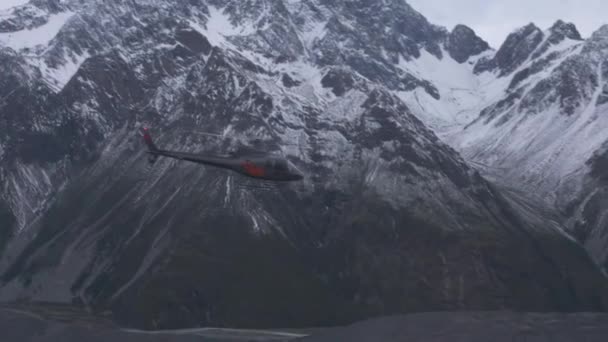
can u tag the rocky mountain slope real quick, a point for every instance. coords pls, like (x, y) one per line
(389, 219)
(545, 134)
(529, 115)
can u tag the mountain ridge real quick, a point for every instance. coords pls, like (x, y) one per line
(387, 202)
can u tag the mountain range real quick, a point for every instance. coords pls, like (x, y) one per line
(441, 174)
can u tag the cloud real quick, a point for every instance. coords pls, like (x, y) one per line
(493, 20)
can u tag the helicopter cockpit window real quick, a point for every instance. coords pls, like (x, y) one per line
(280, 165)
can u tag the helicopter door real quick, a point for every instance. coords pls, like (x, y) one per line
(281, 165)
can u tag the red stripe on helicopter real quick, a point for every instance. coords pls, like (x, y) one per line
(253, 170)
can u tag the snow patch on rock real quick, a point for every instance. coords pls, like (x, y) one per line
(39, 36)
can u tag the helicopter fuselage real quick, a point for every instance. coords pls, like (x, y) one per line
(265, 168)
(257, 166)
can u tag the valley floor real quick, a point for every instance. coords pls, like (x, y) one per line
(47, 323)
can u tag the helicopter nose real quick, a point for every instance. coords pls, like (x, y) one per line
(297, 177)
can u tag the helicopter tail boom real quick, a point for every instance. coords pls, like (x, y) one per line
(153, 151)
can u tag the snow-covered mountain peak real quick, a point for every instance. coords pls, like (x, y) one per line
(516, 49)
(546, 119)
(597, 44)
(561, 30)
(463, 43)
(601, 32)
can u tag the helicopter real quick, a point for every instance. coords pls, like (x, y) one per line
(255, 165)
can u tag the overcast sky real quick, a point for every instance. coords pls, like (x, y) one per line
(493, 20)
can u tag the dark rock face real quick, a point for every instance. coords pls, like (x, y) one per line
(515, 50)
(576, 83)
(558, 33)
(409, 28)
(463, 43)
(26, 17)
(587, 209)
(518, 47)
(372, 37)
(571, 85)
(603, 98)
(340, 82)
(485, 64)
(561, 30)
(7, 226)
(537, 66)
(193, 41)
(289, 82)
